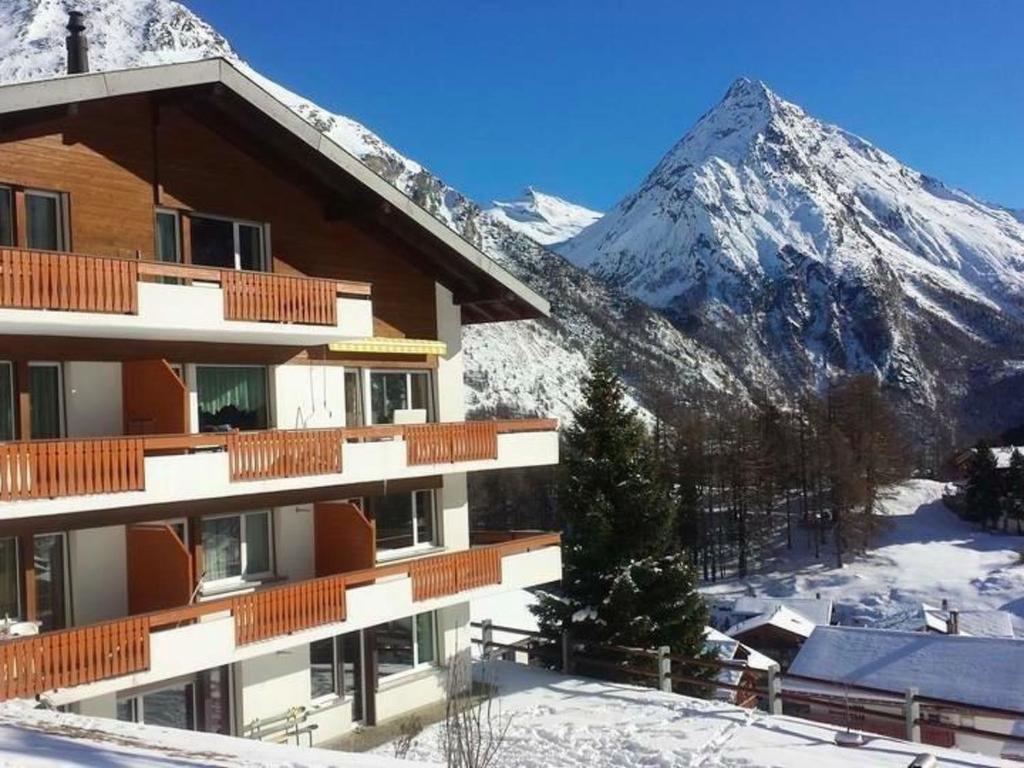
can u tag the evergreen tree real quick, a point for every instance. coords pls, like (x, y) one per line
(982, 495)
(624, 582)
(1014, 490)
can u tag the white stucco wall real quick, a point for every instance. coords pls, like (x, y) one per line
(92, 399)
(309, 396)
(98, 559)
(451, 400)
(454, 517)
(293, 540)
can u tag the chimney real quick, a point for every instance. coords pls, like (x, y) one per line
(953, 626)
(945, 604)
(78, 45)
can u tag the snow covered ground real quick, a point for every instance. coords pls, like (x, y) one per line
(43, 739)
(925, 554)
(567, 721)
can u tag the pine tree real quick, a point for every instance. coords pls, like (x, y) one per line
(624, 582)
(982, 495)
(1015, 488)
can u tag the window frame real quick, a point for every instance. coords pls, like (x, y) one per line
(9, 191)
(176, 215)
(417, 546)
(19, 608)
(61, 222)
(61, 413)
(68, 607)
(338, 694)
(243, 579)
(418, 664)
(11, 410)
(368, 416)
(135, 700)
(236, 223)
(191, 380)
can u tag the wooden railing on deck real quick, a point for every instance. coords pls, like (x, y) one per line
(457, 572)
(280, 453)
(63, 281)
(262, 297)
(451, 442)
(73, 657)
(36, 469)
(290, 608)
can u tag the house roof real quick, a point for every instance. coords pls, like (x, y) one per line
(728, 648)
(782, 618)
(485, 290)
(815, 610)
(977, 623)
(983, 671)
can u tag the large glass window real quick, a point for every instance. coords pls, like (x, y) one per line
(404, 520)
(44, 384)
(6, 216)
(406, 644)
(236, 547)
(168, 242)
(51, 581)
(171, 707)
(227, 244)
(232, 397)
(10, 594)
(43, 223)
(392, 391)
(334, 667)
(6, 401)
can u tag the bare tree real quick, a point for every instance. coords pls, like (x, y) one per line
(474, 727)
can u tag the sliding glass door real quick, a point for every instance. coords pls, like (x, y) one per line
(6, 401)
(47, 401)
(51, 581)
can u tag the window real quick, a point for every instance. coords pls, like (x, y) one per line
(44, 224)
(406, 644)
(334, 668)
(228, 244)
(172, 707)
(168, 240)
(236, 547)
(10, 593)
(51, 581)
(354, 399)
(6, 216)
(47, 402)
(232, 397)
(404, 520)
(6, 401)
(391, 391)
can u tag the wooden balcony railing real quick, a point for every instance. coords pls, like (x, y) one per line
(451, 442)
(33, 665)
(280, 453)
(79, 283)
(39, 469)
(63, 281)
(72, 657)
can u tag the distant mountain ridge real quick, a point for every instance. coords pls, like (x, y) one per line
(542, 217)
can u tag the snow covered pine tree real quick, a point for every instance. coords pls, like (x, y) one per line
(624, 582)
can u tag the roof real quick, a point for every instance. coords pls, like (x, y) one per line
(485, 289)
(727, 648)
(983, 671)
(781, 618)
(816, 610)
(977, 623)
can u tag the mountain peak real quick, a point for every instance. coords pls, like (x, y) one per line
(743, 88)
(545, 218)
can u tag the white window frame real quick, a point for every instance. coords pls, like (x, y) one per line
(66, 568)
(264, 228)
(159, 211)
(138, 708)
(417, 665)
(62, 416)
(191, 380)
(244, 579)
(417, 546)
(62, 235)
(368, 397)
(10, 376)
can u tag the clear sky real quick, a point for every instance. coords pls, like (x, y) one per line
(581, 98)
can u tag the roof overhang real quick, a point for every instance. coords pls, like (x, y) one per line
(485, 290)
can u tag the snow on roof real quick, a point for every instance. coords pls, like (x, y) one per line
(974, 623)
(939, 666)
(726, 647)
(781, 618)
(816, 610)
(1004, 454)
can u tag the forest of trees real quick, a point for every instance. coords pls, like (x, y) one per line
(992, 494)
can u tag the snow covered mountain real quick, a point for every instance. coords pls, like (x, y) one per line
(542, 217)
(530, 367)
(798, 250)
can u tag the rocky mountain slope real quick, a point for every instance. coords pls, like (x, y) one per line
(523, 367)
(543, 217)
(797, 251)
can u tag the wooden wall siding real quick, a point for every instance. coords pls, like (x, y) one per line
(73, 657)
(291, 608)
(278, 453)
(450, 574)
(344, 540)
(45, 280)
(278, 299)
(451, 442)
(155, 399)
(159, 568)
(56, 468)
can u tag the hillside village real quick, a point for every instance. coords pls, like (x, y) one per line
(381, 476)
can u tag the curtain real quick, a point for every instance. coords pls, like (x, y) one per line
(9, 578)
(44, 392)
(232, 396)
(6, 400)
(222, 547)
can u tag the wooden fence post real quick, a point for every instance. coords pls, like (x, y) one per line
(486, 638)
(566, 653)
(774, 690)
(664, 669)
(911, 715)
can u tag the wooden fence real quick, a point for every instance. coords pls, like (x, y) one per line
(265, 297)
(450, 574)
(278, 453)
(451, 442)
(73, 657)
(37, 469)
(290, 608)
(63, 281)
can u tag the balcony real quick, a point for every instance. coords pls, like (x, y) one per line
(64, 294)
(150, 647)
(44, 477)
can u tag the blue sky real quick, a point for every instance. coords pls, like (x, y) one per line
(581, 99)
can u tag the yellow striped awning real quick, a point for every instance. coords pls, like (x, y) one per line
(381, 345)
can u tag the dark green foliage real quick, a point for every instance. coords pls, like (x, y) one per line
(1013, 498)
(982, 495)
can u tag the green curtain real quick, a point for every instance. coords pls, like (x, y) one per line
(44, 391)
(235, 388)
(6, 401)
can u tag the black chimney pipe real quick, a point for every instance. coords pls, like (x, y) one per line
(78, 44)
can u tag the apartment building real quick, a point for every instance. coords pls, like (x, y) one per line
(234, 449)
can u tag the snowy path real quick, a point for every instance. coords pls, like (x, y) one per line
(926, 554)
(578, 723)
